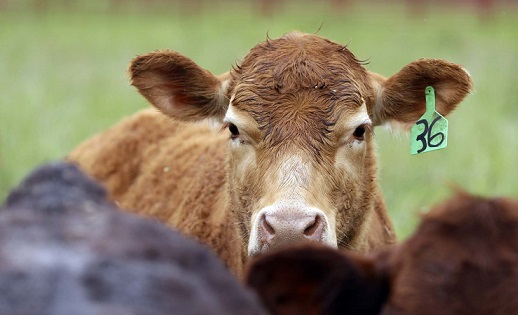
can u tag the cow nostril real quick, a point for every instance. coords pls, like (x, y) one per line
(314, 230)
(267, 227)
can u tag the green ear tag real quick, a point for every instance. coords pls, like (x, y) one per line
(430, 132)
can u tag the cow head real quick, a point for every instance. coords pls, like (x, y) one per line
(300, 111)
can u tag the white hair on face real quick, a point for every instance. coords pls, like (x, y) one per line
(362, 117)
(230, 115)
(294, 173)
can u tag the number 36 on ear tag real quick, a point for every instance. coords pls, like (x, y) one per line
(430, 132)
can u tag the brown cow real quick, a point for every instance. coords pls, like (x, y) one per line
(300, 161)
(463, 259)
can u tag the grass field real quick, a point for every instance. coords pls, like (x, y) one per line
(63, 79)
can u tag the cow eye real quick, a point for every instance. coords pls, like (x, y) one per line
(234, 132)
(359, 132)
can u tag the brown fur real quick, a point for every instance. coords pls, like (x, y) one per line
(268, 87)
(313, 280)
(143, 153)
(295, 98)
(450, 84)
(463, 259)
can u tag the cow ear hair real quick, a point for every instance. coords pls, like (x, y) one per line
(400, 99)
(317, 280)
(178, 87)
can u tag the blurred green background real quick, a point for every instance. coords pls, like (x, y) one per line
(63, 77)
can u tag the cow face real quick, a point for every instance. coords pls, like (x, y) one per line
(300, 112)
(301, 142)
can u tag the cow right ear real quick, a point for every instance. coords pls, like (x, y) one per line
(178, 87)
(318, 280)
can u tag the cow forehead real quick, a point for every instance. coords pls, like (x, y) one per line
(298, 87)
(296, 62)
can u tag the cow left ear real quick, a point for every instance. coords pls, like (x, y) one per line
(312, 279)
(400, 99)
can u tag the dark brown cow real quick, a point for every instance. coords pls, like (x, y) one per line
(298, 161)
(463, 259)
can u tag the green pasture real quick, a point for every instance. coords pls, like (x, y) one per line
(63, 78)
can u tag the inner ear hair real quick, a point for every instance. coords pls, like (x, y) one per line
(178, 87)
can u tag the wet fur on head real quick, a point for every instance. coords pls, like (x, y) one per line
(294, 76)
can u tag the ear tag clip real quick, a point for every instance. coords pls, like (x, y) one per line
(430, 132)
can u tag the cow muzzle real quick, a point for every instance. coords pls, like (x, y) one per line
(285, 224)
